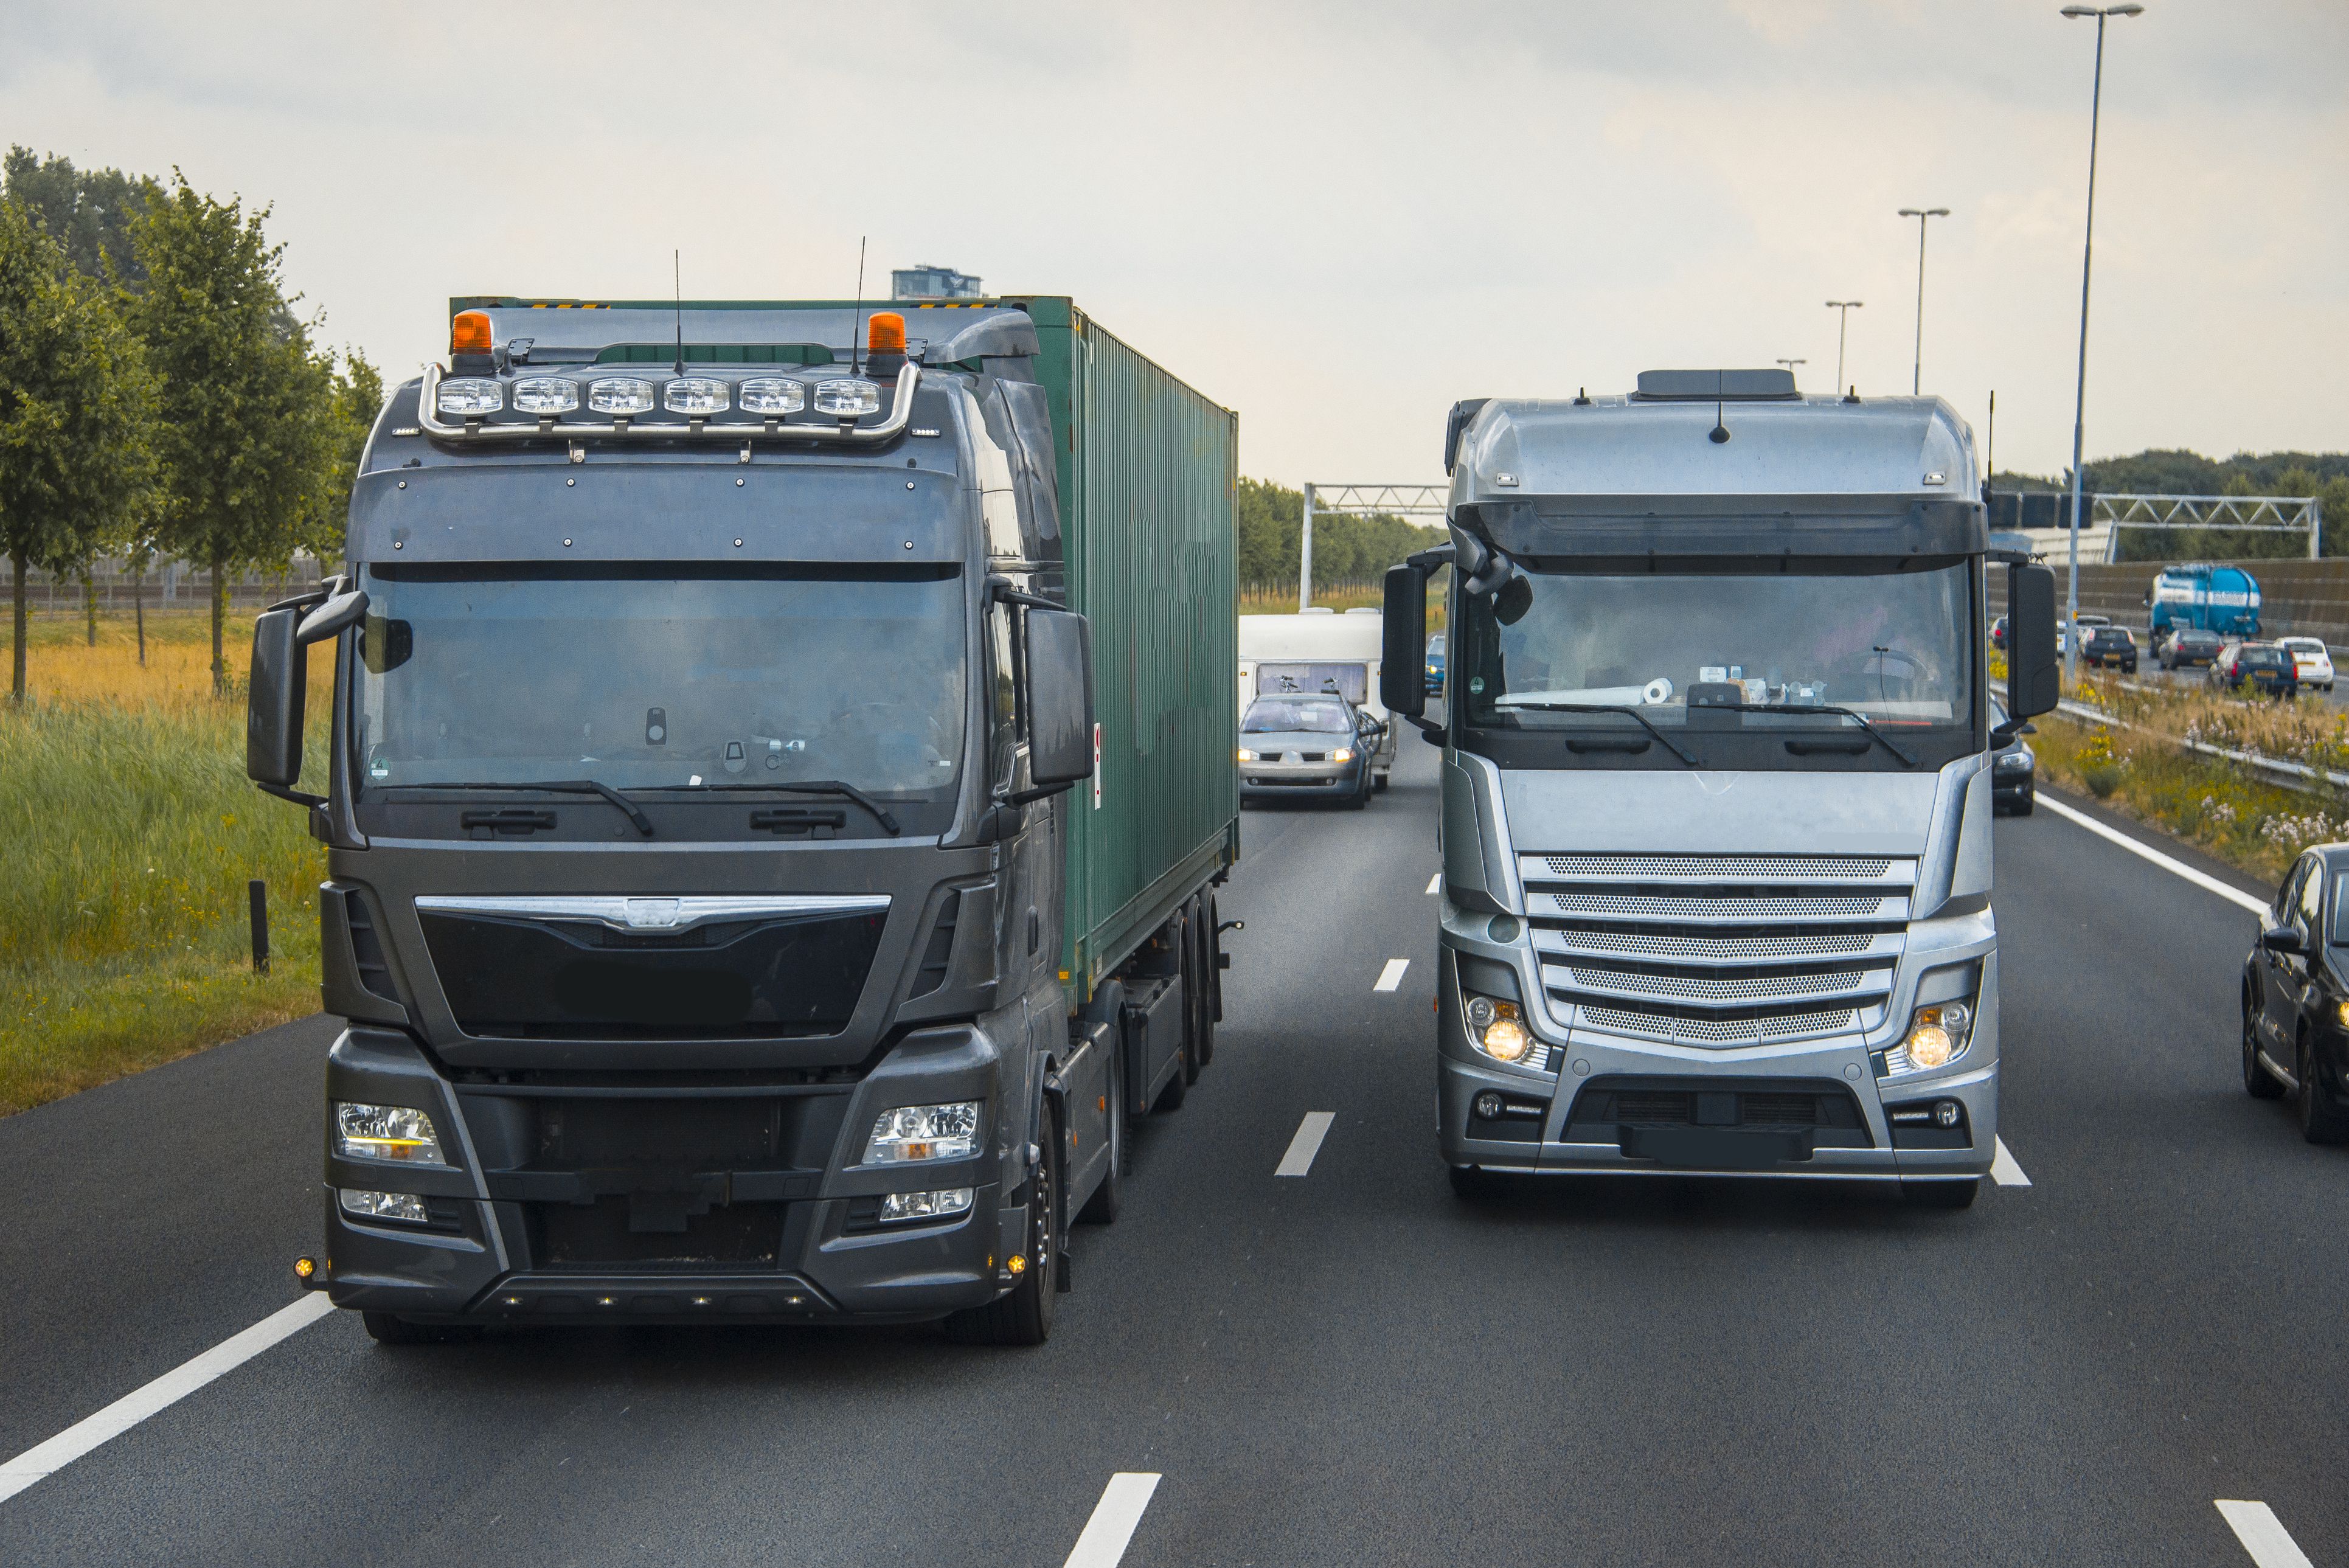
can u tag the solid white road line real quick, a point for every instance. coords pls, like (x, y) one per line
(2262, 1535)
(1102, 1545)
(172, 1386)
(2179, 868)
(1306, 1144)
(1391, 975)
(1436, 881)
(2003, 1167)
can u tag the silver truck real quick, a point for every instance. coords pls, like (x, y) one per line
(1716, 820)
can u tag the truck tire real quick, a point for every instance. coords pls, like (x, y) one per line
(1941, 1194)
(1102, 1208)
(1023, 1316)
(1378, 782)
(1471, 1182)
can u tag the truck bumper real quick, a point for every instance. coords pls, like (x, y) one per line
(519, 1234)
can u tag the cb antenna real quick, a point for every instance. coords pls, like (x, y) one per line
(856, 332)
(1721, 393)
(676, 278)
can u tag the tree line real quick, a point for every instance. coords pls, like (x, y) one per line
(158, 396)
(1270, 522)
(2324, 475)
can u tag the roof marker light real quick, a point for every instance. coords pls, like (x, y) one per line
(469, 333)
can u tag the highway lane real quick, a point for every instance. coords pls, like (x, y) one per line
(1342, 1365)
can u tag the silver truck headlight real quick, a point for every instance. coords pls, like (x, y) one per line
(1498, 1030)
(371, 1205)
(386, 1132)
(917, 1133)
(1937, 1035)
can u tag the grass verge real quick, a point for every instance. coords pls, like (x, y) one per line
(128, 833)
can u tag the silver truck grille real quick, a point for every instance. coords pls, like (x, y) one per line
(1721, 950)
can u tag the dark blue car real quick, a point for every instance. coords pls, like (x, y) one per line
(1435, 665)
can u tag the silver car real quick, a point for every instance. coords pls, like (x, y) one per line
(1316, 745)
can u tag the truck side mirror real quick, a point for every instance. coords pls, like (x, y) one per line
(1402, 687)
(273, 710)
(2034, 675)
(1059, 650)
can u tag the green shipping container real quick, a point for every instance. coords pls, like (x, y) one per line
(1147, 469)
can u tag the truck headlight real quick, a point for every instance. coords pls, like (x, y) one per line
(1497, 1029)
(696, 395)
(471, 396)
(939, 1205)
(386, 1132)
(371, 1205)
(845, 399)
(545, 395)
(915, 1133)
(771, 395)
(1937, 1034)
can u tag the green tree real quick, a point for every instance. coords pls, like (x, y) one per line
(355, 400)
(88, 211)
(247, 409)
(77, 413)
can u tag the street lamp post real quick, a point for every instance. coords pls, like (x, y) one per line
(1843, 309)
(1790, 364)
(1917, 381)
(2080, 401)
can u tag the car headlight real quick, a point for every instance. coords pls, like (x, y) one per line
(1497, 1029)
(1341, 755)
(1246, 755)
(1937, 1035)
(386, 1132)
(917, 1133)
(2341, 1012)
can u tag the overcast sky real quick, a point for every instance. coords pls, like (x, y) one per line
(1337, 218)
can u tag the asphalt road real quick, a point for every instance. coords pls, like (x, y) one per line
(1349, 1366)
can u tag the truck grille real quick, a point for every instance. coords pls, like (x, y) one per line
(1719, 950)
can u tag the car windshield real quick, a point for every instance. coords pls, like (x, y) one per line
(1435, 643)
(1892, 644)
(2263, 658)
(1281, 716)
(646, 680)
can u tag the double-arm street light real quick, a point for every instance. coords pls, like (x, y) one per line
(1916, 381)
(1790, 364)
(1843, 309)
(2080, 402)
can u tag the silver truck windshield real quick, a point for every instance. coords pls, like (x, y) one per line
(1893, 645)
(521, 673)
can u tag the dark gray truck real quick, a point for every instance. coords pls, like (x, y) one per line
(776, 784)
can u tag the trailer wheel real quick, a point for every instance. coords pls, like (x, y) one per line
(1024, 1315)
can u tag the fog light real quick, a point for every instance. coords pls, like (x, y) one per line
(1488, 1107)
(936, 1205)
(696, 395)
(545, 395)
(621, 395)
(386, 1132)
(847, 399)
(471, 396)
(1947, 1113)
(372, 1205)
(771, 395)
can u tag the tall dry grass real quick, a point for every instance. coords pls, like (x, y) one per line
(128, 833)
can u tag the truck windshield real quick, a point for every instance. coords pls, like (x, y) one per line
(1893, 645)
(643, 677)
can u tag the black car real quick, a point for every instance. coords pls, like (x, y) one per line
(2110, 645)
(2190, 646)
(2296, 998)
(2013, 769)
(1998, 633)
(2261, 668)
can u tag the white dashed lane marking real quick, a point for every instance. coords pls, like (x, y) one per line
(2003, 1167)
(1391, 975)
(1434, 881)
(1102, 1545)
(2262, 1535)
(1306, 1144)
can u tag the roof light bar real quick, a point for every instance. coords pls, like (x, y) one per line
(628, 398)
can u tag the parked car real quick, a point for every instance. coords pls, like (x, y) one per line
(1435, 665)
(2311, 661)
(2013, 769)
(2190, 646)
(2110, 645)
(1313, 747)
(2261, 668)
(2296, 998)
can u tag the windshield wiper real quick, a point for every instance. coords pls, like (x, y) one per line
(644, 824)
(881, 813)
(1629, 712)
(1853, 714)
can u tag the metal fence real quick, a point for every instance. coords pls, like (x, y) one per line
(165, 587)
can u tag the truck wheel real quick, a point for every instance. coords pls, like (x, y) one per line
(1379, 783)
(1471, 1182)
(1941, 1194)
(1102, 1208)
(2258, 1082)
(385, 1328)
(2320, 1121)
(1024, 1315)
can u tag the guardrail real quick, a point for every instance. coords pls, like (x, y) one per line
(2294, 776)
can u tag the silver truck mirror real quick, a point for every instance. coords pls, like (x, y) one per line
(2034, 675)
(1060, 697)
(272, 712)
(1402, 687)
